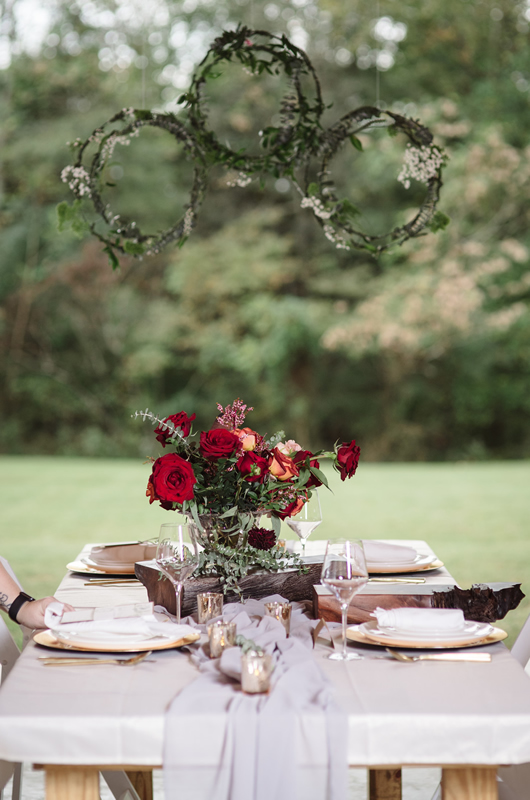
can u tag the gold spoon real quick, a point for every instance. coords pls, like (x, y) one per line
(51, 661)
(440, 656)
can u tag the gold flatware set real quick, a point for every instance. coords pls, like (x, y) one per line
(68, 661)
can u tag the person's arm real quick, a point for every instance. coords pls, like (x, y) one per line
(31, 612)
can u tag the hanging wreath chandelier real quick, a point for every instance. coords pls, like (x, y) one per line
(288, 148)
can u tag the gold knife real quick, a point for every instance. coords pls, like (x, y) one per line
(396, 580)
(478, 657)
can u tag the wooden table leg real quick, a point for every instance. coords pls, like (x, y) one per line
(143, 783)
(469, 783)
(72, 783)
(384, 784)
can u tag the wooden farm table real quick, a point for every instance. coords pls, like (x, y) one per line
(465, 717)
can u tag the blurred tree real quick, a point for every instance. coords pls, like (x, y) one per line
(423, 354)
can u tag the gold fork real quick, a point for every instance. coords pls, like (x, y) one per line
(51, 661)
(484, 657)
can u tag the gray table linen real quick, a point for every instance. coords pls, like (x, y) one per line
(263, 747)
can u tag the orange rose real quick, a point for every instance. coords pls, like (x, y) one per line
(281, 466)
(247, 437)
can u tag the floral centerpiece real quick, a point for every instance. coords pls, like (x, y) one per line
(226, 478)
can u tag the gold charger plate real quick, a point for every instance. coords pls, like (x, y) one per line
(398, 569)
(47, 639)
(356, 635)
(82, 568)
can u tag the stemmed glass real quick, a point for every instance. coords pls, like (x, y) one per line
(176, 556)
(344, 572)
(308, 518)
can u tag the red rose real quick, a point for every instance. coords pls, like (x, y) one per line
(171, 480)
(253, 467)
(282, 466)
(218, 443)
(180, 420)
(291, 509)
(261, 538)
(348, 459)
(300, 458)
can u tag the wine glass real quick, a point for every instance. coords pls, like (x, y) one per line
(344, 572)
(176, 556)
(308, 518)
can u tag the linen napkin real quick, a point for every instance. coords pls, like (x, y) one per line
(146, 626)
(421, 620)
(260, 738)
(383, 553)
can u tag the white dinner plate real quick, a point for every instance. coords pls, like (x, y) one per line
(421, 563)
(472, 634)
(49, 639)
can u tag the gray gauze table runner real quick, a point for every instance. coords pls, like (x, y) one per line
(286, 744)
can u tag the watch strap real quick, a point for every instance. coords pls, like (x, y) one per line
(17, 604)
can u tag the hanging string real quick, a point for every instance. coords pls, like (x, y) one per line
(251, 15)
(377, 74)
(144, 67)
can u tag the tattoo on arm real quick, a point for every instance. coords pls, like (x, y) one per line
(4, 602)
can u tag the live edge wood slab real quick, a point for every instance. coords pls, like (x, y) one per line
(484, 603)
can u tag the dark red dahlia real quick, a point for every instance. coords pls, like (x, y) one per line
(261, 538)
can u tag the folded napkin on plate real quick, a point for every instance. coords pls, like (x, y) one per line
(122, 553)
(422, 620)
(146, 626)
(381, 552)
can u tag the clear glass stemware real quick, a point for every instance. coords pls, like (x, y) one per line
(308, 518)
(176, 556)
(344, 572)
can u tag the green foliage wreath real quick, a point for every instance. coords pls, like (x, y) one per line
(297, 140)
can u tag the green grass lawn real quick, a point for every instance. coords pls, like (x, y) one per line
(475, 516)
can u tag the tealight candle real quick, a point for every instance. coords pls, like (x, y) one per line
(256, 669)
(281, 544)
(282, 612)
(209, 606)
(221, 635)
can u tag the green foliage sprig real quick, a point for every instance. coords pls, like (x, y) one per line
(230, 564)
(292, 143)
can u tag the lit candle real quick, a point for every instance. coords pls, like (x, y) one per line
(256, 669)
(209, 606)
(282, 612)
(222, 635)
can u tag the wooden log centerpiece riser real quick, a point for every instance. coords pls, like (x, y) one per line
(290, 584)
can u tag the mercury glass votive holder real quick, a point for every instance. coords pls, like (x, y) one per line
(282, 612)
(209, 606)
(256, 671)
(221, 635)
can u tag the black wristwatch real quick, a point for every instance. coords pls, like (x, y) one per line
(17, 604)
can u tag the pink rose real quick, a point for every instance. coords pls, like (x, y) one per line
(281, 466)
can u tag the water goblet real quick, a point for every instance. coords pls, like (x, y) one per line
(176, 556)
(344, 572)
(308, 518)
